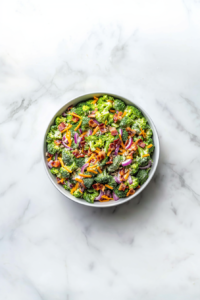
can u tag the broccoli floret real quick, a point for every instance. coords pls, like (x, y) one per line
(104, 105)
(77, 110)
(119, 105)
(59, 120)
(54, 127)
(66, 187)
(102, 116)
(88, 182)
(126, 121)
(110, 119)
(133, 112)
(143, 151)
(141, 123)
(73, 166)
(53, 135)
(137, 129)
(67, 157)
(103, 162)
(134, 168)
(53, 148)
(135, 182)
(102, 177)
(124, 135)
(142, 161)
(149, 141)
(92, 147)
(64, 173)
(85, 123)
(77, 193)
(80, 162)
(72, 129)
(138, 138)
(55, 171)
(149, 133)
(120, 194)
(69, 118)
(89, 197)
(108, 137)
(142, 176)
(74, 145)
(91, 105)
(112, 182)
(116, 163)
(86, 108)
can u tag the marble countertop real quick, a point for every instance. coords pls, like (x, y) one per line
(50, 247)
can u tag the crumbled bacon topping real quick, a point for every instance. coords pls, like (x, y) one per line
(75, 119)
(92, 123)
(98, 186)
(61, 126)
(117, 116)
(113, 131)
(131, 132)
(122, 187)
(55, 164)
(101, 155)
(102, 128)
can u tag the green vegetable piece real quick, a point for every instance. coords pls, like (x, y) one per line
(112, 182)
(80, 161)
(116, 163)
(126, 122)
(77, 193)
(134, 168)
(88, 182)
(141, 123)
(85, 123)
(102, 177)
(142, 161)
(142, 176)
(55, 171)
(135, 182)
(53, 148)
(53, 135)
(67, 157)
(89, 197)
(119, 105)
(103, 162)
(102, 116)
(64, 173)
(120, 194)
(133, 112)
(59, 120)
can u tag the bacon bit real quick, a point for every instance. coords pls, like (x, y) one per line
(130, 192)
(89, 152)
(108, 186)
(75, 119)
(60, 180)
(149, 146)
(113, 131)
(138, 187)
(95, 130)
(78, 125)
(117, 116)
(111, 148)
(101, 155)
(131, 132)
(122, 187)
(102, 128)
(70, 107)
(91, 115)
(110, 161)
(61, 126)
(55, 164)
(75, 152)
(145, 155)
(91, 157)
(79, 180)
(98, 168)
(126, 175)
(92, 123)
(140, 143)
(143, 133)
(98, 186)
(123, 114)
(133, 147)
(75, 188)
(121, 141)
(80, 155)
(86, 176)
(75, 115)
(57, 142)
(48, 159)
(112, 110)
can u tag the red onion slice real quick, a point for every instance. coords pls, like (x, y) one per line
(115, 197)
(117, 179)
(121, 132)
(117, 150)
(130, 181)
(64, 114)
(80, 130)
(89, 132)
(99, 197)
(96, 121)
(83, 167)
(49, 164)
(126, 162)
(75, 137)
(129, 143)
(56, 156)
(146, 167)
(67, 146)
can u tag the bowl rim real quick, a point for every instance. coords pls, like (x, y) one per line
(109, 203)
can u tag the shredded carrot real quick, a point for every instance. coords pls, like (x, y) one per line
(108, 186)
(142, 133)
(75, 115)
(106, 197)
(95, 130)
(128, 193)
(68, 136)
(80, 191)
(80, 180)
(109, 153)
(48, 159)
(106, 200)
(110, 101)
(121, 141)
(92, 171)
(75, 188)
(67, 128)
(123, 114)
(95, 98)
(93, 166)
(112, 110)
(150, 146)
(98, 168)
(91, 157)
(83, 175)
(138, 187)
(78, 125)
(105, 122)
(66, 168)
(130, 157)
(145, 155)
(61, 180)
(83, 133)
(97, 151)
(62, 164)
(126, 175)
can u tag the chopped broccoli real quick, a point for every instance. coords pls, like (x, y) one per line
(91, 105)
(119, 105)
(102, 116)
(149, 141)
(72, 129)
(80, 162)
(103, 162)
(69, 118)
(112, 182)
(64, 173)
(53, 148)
(141, 123)
(88, 182)
(86, 108)
(89, 197)
(53, 135)
(55, 171)
(74, 145)
(135, 182)
(143, 151)
(77, 193)
(85, 123)
(126, 121)
(66, 187)
(137, 129)
(133, 112)
(124, 135)
(102, 177)
(59, 120)
(134, 168)
(106, 146)
(142, 176)
(142, 161)
(110, 119)
(116, 163)
(67, 157)
(104, 105)
(120, 194)
(138, 138)
(149, 132)
(73, 166)
(77, 110)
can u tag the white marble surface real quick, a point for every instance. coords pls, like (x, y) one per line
(50, 247)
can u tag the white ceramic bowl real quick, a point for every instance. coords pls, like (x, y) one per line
(112, 202)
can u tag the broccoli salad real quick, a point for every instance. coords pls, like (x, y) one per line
(101, 149)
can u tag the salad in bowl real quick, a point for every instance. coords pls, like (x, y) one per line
(100, 149)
